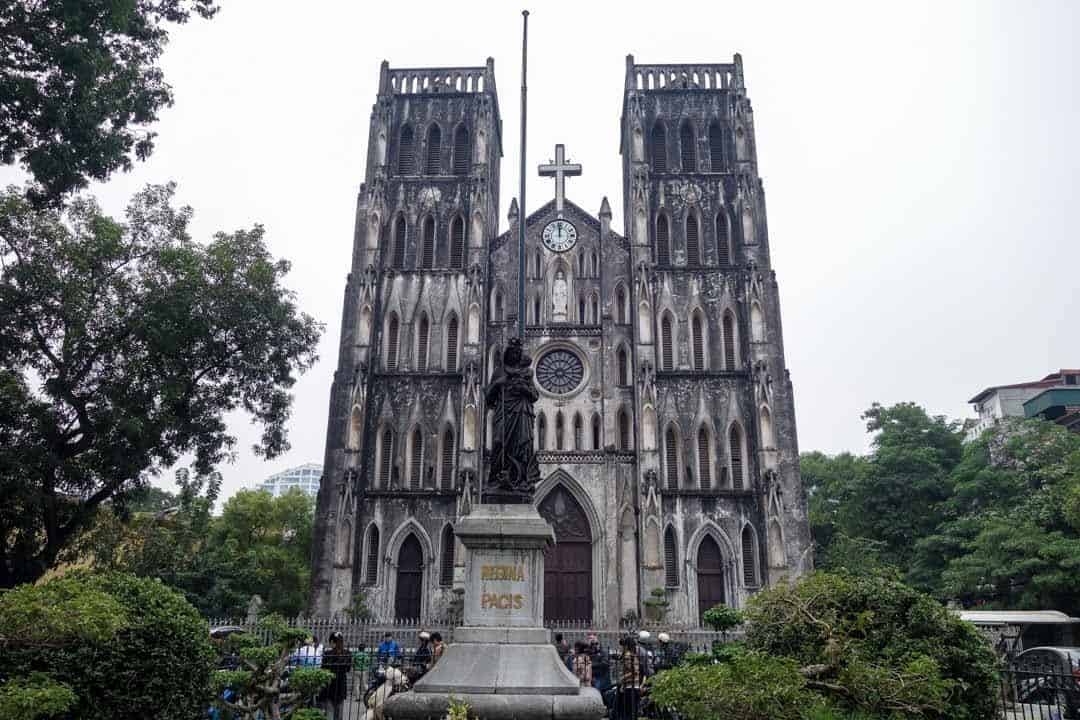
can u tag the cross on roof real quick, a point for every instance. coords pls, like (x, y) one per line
(560, 170)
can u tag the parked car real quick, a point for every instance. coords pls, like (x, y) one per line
(1049, 676)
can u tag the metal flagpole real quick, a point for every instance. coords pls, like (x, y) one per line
(521, 192)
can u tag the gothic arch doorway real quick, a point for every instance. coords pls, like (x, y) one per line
(409, 590)
(568, 563)
(710, 575)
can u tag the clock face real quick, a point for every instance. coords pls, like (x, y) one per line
(560, 235)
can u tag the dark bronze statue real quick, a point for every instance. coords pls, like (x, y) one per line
(514, 471)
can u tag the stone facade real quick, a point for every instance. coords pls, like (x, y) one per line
(666, 426)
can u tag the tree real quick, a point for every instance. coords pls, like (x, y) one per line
(122, 346)
(1009, 538)
(829, 483)
(124, 648)
(876, 646)
(80, 84)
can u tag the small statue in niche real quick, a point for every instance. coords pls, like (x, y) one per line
(510, 396)
(559, 297)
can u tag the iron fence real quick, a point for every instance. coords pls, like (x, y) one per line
(1040, 691)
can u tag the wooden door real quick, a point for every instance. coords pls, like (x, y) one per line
(568, 563)
(410, 580)
(710, 575)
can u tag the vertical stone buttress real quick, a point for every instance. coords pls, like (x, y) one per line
(718, 454)
(403, 426)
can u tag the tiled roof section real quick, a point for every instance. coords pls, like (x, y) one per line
(1051, 380)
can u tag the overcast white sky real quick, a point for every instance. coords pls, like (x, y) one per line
(920, 162)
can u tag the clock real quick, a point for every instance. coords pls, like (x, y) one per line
(559, 235)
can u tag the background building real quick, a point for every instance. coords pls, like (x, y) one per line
(665, 426)
(1001, 401)
(305, 477)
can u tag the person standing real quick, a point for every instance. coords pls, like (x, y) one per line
(338, 661)
(421, 658)
(389, 650)
(582, 664)
(438, 647)
(626, 703)
(644, 656)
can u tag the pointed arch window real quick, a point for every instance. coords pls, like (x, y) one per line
(452, 344)
(736, 453)
(499, 308)
(595, 432)
(416, 459)
(427, 251)
(433, 161)
(539, 264)
(716, 147)
(625, 441)
(541, 432)
(723, 244)
(406, 151)
(392, 344)
(622, 366)
(371, 567)
(697, 332)
(461, 151)
(595, 270)
(397, 257)
(667, 349)
(457, 243)
(446, 560)
(749, 562)
(446, 476)
(663, 241)
(671, 455)
(536, 310)
(704, 459)
(688, 156)
(659, 148)
(620, 305)
(386, 457)
(559, 444)
(594, 308)
(671, 558)
(579, 432)
(693, 241)
(729, 341)
(581, 309)
(422, 334)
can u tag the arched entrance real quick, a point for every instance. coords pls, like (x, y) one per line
(410, 579)
(568, 563)
(710, 575)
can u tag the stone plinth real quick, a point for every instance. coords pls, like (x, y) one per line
(502, 662)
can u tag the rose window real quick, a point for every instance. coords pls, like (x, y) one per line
(559, 371)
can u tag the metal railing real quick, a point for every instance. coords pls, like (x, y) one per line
(1040, 691)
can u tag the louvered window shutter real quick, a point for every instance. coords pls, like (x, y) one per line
(451, 344)
(704, 462)
(672, 452)
(736, 459)
(693, 243)
(671, 559)
(663, 241)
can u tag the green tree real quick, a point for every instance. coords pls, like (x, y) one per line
(874, 645)
(80, 84)
(829, 482)
(125, 648)
(122, 346)
(1008, 538)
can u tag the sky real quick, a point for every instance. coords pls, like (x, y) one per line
(921, 164)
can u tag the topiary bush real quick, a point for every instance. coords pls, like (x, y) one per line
(128, 648)
(750, 686)
(873, 645)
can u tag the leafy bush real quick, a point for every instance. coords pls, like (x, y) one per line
(130, 649)
(37, 696)
(752, 686)
(722, 618)
(875, 645)
(257, 689)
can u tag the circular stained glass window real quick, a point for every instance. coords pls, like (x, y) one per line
(559, 371)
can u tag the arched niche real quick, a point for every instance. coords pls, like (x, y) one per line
(473, 332)
(648, 427)
(374, 226)
(777, 556)
(767, 438)
(363, 329)
(641, 227)
(645, 323)
(638, 148)
(468, 436)
(757, 323)
(476, 231)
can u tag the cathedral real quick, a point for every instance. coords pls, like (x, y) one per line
(665, 429)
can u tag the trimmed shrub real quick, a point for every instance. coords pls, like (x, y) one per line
(138, 650)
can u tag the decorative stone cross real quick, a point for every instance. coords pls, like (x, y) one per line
(560, 170)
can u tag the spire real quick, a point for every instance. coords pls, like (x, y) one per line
(605, 208)
(605, 218)
(513, 214)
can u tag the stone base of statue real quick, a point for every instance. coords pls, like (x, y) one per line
(502, 662)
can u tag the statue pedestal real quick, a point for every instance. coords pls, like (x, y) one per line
(502, 662)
